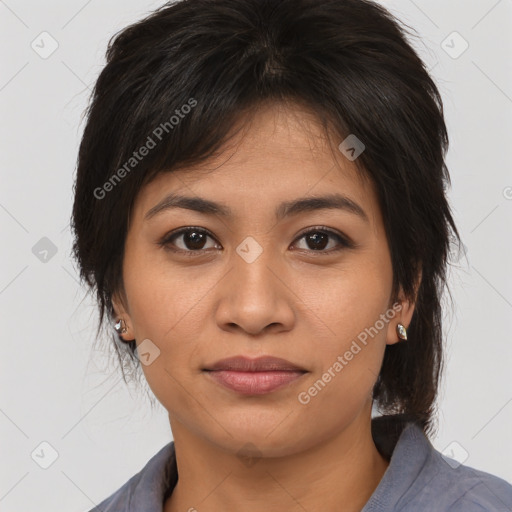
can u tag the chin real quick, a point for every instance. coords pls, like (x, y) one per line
(259, 440)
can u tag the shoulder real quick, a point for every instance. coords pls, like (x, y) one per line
(144, 490)
(419, 478)
(445, 485)
(460, 488)
(120, 499)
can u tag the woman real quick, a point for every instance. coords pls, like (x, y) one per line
(260, 207)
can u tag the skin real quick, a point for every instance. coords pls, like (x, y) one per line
(296, 302)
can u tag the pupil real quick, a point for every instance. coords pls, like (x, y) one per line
(194, 240)
(319, 240)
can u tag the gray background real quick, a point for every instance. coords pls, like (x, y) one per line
(56, 386)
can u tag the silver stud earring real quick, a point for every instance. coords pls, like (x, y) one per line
(401, 331)
(120, 326)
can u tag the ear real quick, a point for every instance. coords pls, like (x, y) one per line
(121, 312)
(403, 310)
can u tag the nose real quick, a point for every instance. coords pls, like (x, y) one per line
(255, 297)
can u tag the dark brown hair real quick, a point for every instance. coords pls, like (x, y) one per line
(187, 73)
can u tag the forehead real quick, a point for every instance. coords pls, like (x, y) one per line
(280, 153)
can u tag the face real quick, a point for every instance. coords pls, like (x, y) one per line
(310, 285)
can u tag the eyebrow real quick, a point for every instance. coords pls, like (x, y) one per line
(285, 209)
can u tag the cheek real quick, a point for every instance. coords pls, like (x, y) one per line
(170, 307)
(167, 307)
(348, 299)
(350, 303)
(350, 354)
(163, 298)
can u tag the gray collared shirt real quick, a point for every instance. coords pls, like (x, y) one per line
(418, 479)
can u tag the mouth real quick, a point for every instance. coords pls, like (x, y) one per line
(254, 376)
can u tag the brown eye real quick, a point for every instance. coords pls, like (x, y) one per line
(194, 240)
(187, 240)
(318, 240)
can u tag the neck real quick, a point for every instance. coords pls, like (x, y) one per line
(343, 469)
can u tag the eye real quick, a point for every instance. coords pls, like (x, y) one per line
(317, 240)
(192, 240)
(187, 240)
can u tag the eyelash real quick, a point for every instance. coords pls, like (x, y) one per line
(166, 240)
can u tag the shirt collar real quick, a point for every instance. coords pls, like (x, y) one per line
(409, 448)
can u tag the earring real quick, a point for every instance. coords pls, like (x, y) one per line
(401, 331)
(120, 326)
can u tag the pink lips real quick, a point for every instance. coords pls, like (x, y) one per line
(254, 376)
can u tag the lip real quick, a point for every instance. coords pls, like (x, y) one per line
(258, 364)
(254, 376)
